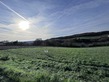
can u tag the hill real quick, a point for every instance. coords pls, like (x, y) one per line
(88, 34)
(90, 39)
(81, 40)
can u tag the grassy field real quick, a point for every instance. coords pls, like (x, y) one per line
(54, 64)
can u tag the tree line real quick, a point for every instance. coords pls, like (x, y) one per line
(79, 40)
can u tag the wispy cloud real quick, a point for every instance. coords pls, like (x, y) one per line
(85, 21)
(13, 11)
(70, 10)
(49, 19)
(5, 29)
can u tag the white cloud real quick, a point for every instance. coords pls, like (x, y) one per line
(74, 9)
(36, 30)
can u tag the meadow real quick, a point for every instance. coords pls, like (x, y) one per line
(54, 64)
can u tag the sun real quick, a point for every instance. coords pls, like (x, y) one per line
(24, 25)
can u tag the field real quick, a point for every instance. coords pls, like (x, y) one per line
(54, 64)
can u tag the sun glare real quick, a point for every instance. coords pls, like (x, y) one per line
(24, 25)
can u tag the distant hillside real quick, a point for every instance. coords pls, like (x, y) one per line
(89, 34)
(90, 39)
(81, 40)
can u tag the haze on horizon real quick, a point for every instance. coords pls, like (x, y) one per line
(51, 18)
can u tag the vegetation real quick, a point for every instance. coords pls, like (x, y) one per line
(53, 64)
(81, 40)
(78, 40)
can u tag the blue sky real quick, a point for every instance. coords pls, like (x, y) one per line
(52, 18)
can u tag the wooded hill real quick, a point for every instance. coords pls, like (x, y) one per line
(80, 40)
(90, 39)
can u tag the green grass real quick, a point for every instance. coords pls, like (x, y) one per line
(56, 65)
